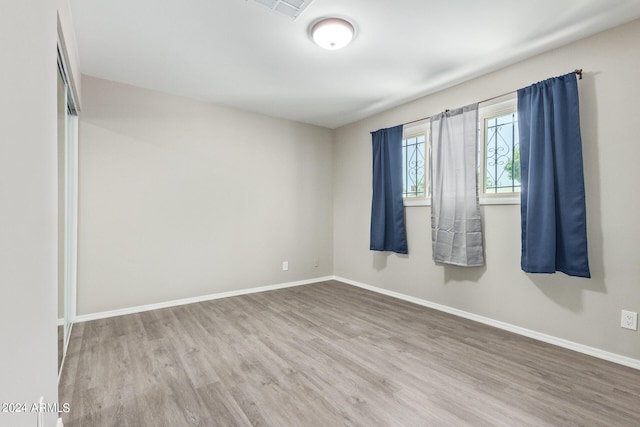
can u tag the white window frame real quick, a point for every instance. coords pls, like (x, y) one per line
(417, 129)
(500, 106)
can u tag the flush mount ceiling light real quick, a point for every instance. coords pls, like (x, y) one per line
(332, 33)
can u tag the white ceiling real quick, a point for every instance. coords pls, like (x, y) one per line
(238, 53)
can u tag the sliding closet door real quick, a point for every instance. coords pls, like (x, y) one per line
(62, 212)
(67, 209)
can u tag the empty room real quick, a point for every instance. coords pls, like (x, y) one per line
(319, 213)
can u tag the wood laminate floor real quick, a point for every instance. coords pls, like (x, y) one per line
(330, 354)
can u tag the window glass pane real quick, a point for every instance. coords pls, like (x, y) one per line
(502, 154)
(502, 120)
(413, 167)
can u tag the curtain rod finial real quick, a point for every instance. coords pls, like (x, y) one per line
(578, 71)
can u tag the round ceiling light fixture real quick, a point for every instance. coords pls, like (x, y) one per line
(332, 33)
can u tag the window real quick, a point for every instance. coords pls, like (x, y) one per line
(414, 164)
(498, 156)
(499, 152)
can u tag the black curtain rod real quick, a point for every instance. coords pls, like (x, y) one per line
(578, 72)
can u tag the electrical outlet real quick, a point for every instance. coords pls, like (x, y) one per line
(629, 320)
(285, 265)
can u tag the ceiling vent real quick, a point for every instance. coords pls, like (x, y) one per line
(290, 8)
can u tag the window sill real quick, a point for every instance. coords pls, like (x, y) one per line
(484, 200)
(416, 202)
(500, 200)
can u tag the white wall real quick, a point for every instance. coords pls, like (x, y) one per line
(182, 199)
(28, 212)
(579, 310)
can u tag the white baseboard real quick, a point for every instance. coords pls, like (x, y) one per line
(560, 342)
(173, 303)
(60, 322)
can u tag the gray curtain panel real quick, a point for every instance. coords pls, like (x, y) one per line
(456, 230)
